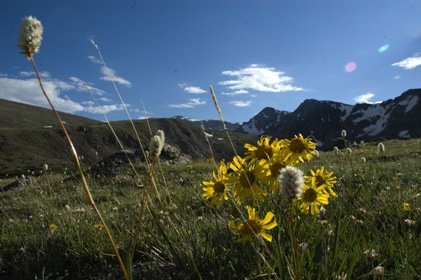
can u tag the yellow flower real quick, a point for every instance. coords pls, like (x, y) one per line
(263, 152)
(298, 149)
(52, 228)
(320, 177)
(406, 207)
(272, 169)
(216, 190)
(98, 226)
(312, 198)
(246, 177)
(253, 226)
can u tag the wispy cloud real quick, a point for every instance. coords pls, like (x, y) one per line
(24, 88)
(192, 89)
(239, 103)
(111, 72)
(237, 92)
(191, 104)
(80, 86)
(258, 78)
(103, 109)
(366, 98)
(409, 63)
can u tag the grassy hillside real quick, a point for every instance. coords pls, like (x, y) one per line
(18, 115)
(29, 148)
(49, 231)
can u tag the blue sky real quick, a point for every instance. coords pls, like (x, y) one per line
(165, 54)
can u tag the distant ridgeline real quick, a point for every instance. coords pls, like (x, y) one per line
(398, 118)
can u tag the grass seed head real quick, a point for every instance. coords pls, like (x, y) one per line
(30, 36)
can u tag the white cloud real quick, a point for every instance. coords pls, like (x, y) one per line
(113, 76)
(109, 75)
(193, 103)
(258, 78)
(26, 74)
(366, 98)
(27, 90)
(103, 109)
(94, 59)
(191, 89)
(241, 103)
(237, 92)
(409, 63)
(194, 90)
(81, 87)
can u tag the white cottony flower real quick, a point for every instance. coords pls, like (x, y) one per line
(380, 148)
(291, 180)
(343, 133)
(156, 144)
(30, 36)
(349, 151)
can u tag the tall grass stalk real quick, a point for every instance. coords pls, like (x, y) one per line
(121, 99)
(151, 167)
(159, 162)
(292, 223)
(115, 136)
(79, 168)
(218, 109)
(128, 115)
(256, 234)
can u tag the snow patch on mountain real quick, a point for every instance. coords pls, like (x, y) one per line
(409, 102)
(404, 134)
(251, 128)
(378, 126)
(346, 111)
(373, 111)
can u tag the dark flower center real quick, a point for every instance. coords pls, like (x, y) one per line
(275, 169)
(297, 146)
(247, 179)
(264, 152)
(320, 180)
(310, 195)
(219, 187)
(252, 227)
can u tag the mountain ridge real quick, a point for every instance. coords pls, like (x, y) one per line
(396, 118)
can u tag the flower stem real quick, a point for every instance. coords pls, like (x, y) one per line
(297, 264)
(79, 168)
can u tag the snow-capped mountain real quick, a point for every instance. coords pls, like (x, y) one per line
(263, 121)
(323, 120)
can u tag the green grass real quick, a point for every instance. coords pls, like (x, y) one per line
(182, 238)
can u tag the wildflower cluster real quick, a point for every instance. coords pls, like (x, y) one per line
(270, 168)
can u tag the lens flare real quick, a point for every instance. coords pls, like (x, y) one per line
(350, 67)
(383, 48)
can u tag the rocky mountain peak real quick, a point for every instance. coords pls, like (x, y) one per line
(323, 120)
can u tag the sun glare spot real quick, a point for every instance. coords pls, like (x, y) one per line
(350, 67)
(383, 48)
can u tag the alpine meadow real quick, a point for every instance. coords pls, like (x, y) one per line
(257, 207)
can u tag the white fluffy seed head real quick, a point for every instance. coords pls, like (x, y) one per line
(30, 36)
(291, 180)
(343, 133)
(380, 148)
(156, 144)
(349, 151)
